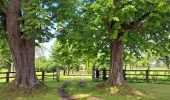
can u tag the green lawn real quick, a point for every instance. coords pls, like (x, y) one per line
(153, 91)
(142, 91)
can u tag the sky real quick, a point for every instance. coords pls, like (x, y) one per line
(48, 46)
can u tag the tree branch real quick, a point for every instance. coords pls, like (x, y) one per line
(135, 24)
(143, 17)
(2, 7)
(46, 1)
(109, 25)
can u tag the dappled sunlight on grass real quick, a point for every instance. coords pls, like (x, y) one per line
(79, 96)
(125, 90)
(153, 91)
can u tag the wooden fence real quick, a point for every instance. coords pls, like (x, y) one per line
(135, 75)
(132, 75)
(6, 76)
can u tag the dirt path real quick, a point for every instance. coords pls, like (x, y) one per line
(62, 93)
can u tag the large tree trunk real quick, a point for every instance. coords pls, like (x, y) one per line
(23, 50)
(116, 66)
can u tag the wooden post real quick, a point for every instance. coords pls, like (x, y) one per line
(97, 73)
(104, 73)
(93, 73)
(147, 76)
(7, 77)
(57, 73)
(43, 74)
(124, 74)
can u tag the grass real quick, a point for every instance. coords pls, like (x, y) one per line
(141, 91)
(153, 91)
(91, 91)
(133, 91)
(44, 94)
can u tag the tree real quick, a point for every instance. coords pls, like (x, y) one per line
(63, 55)
(131, 25)
(22, 50)
(112, 27)
(42, 63)
(25, 21)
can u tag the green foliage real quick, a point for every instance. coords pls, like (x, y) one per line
(42, 63)
(63, 55)
(88, 33)
(85, 29)
(36, 21)
(5, 56)
(39, 18)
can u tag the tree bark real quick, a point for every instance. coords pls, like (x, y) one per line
(116, 66)
(22, 50)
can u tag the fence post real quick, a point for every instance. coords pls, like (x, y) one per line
(124, 74)
(93, 73)
(7, 77)
(57, 73)
(43, 74)
(97, 74)
(104, 74)
(147, 76)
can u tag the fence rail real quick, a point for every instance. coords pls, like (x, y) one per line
(103, 74)
(138, 75)
(6, 76)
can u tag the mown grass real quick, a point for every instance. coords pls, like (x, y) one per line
(131, 91)
(91, 91)
(42, 94)
(153, 91)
